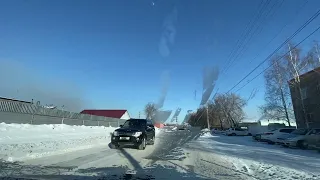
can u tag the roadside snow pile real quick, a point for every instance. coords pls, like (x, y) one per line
(25, 141)
(206, 134)
(157, 130)
(205, 130)
(257, 160)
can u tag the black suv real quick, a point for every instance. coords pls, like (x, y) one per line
(134, 132)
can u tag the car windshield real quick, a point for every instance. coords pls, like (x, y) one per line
(300, 131)
(87, 86)
(133, 124)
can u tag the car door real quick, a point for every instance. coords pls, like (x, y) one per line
(313, 136)
(150, 129)
(238, 131)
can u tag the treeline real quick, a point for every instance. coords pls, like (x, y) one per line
(224, 111)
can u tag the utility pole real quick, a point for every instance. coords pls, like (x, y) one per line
(62, 114)
(139, 114)
(208, 116)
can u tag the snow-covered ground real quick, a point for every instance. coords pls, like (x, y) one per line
(77, 152)
(243, 157)
(25, 141)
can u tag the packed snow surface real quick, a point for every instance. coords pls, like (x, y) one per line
(256, 160)
(24, 141)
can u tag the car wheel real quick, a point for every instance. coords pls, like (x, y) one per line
(259, 138)
(152, 140)
(286, 146)
(302, 144)
(113, 146)
(233, 134)
(270, 142)
(249, 134)
(142, 146)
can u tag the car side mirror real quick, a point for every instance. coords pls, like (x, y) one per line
(121, 126)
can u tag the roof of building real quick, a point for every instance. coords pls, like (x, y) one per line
(316, 70)
(16, 100)
(106, 113)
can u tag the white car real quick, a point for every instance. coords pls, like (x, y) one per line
(303, 141)
(296, 133)
(236, 132)
(271, 137)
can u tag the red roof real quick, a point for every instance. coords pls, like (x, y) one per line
(105, 113)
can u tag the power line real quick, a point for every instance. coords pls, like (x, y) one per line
(279, 58)
(285, 42)
(243, 34)
(275, 36)
(298, 11)
(255, 32)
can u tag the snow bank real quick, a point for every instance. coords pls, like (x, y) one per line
(25, 141)
(206, 134)
(157, 130)
(205, 130)
(256, 159)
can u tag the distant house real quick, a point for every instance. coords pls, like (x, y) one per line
(310, 96)
(14, 100)
(120, 114)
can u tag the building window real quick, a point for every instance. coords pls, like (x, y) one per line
(303, 93)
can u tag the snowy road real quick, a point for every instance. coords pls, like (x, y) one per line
(110, 163)
(175, 155)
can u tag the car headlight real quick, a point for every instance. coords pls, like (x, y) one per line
(116, 133)
(137, 134)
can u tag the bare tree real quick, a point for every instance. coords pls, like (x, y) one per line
(296, 66)
(225, 110)
(313, 56)
(150, 111)
(277, 96)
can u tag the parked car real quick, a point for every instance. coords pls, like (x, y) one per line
(217, 131)
(236, 132)
(310, 139)
(134, 132)
(271, 137)
(298, 132)
(257, 136)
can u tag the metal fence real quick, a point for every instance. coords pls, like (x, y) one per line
(17, 112)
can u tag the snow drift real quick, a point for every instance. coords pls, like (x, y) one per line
(25, 141)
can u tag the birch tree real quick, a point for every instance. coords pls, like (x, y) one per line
(277, 96)
(297, 65)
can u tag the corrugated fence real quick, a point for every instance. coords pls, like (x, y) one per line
(17, 112)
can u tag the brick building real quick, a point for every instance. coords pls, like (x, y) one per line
(310, 95)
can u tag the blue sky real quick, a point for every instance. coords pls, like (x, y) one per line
(106, 55)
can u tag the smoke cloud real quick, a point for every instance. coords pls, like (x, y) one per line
(169, 32)
(21, 82)
(165, 83)
(210, 76)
